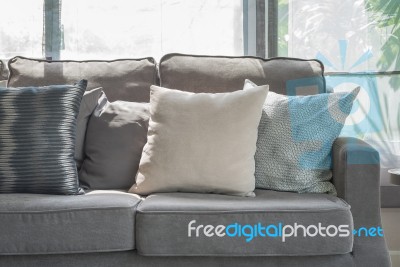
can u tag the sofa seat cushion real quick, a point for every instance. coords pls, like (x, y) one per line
(99, 221)
(164, 222)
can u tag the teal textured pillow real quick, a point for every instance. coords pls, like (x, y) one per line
(37, 139)
(295, 138)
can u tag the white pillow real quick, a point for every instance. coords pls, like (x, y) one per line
(202, 143)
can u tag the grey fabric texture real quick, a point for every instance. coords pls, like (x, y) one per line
(44, 224)
(131, 258)
(123, 79)
(201, 143)
(114, 141)
(37, 139)
(295, 138)
(92, 102)
(390, 196)
(356, 171)
(215, 74)
(162, 224)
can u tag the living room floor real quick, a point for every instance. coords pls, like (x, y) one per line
(390, 221)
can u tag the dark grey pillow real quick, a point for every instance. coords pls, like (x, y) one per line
(92, 103)
(37, 139)
(113, 145)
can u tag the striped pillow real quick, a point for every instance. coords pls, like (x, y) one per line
(37, 139)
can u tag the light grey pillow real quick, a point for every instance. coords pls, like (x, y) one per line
(202, 143)
(114, 141)
(295, 139)
(92, 103)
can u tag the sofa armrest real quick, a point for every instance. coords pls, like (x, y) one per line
(356, 169)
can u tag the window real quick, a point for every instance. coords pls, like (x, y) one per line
(123, 28)
(92, 29)
(21, 28)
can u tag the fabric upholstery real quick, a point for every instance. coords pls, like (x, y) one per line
(162, 224)
(131, 258)
(92, 103)
(114, 141)
(200, 142)
(213, 74)
(37, 139)
(123, 79)
(44, 224)
(295, 138)
(356, 178)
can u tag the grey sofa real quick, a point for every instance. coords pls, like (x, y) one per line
(115, 228)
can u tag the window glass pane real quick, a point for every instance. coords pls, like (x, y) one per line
(375, 116)
(283, 28)
(21, 28)
(346, 35)
(123, 28)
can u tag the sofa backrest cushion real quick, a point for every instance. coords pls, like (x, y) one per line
(123, 79)
(222, 74)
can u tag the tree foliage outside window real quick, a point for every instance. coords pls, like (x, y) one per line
(365, 24)
(385, 14)
(283, 13)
